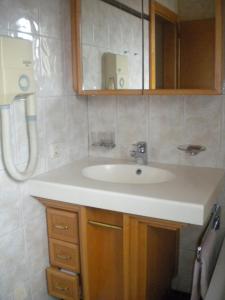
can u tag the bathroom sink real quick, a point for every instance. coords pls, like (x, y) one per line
(125, 173)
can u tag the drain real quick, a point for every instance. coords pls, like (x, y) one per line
(139, 172)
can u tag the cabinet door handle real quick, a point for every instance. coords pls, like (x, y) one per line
(105, 225)
(61, 227)
(61, 288)
(64, 257)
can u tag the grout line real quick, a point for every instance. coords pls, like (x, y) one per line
(148, 127)
(88, 128)
(181, 158)
(116, 126)
(220, 160)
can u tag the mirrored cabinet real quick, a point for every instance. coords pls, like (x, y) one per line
(135, 47)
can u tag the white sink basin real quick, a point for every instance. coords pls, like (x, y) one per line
(122, 173)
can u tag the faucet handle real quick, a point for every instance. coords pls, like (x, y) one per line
(140, 152)
(142, 147)
(133, 153)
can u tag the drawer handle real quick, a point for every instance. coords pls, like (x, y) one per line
(62, 289)
(61, 227)
(105, 225)
(64, 257)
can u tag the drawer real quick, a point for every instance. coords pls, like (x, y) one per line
(62, 285)
(62, 225)
(64, 255)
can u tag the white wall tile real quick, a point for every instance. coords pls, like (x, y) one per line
(10, 218)
(51, 59)
(4, 21)
(24, 247)
(22, 292)
(166, 116)
(101, 118)
(23, 15)
(51, 18)
(67, 73)
(132, 120)
(13, 262)
(202, 123)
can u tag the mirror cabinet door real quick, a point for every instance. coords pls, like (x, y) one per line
(182, 38)
(147, 46)
(111, 45)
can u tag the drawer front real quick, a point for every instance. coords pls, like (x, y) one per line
(64, 255)
(61, 285)
(62, 225)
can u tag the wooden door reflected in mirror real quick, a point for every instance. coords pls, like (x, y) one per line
(185, 48)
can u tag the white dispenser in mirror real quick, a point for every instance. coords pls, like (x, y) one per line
(17, 83)
(115, 71)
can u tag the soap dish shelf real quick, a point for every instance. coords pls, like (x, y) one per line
(106, 145)
(192, 149)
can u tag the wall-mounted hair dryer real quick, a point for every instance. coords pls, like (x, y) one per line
(17, 82)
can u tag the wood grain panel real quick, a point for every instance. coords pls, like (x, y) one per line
(197, 54)
(105, 261)
(170, 56)
(105, 216)
(161, 262)
(153, 254)
(62, 225)
(62, 285)
(64, 255)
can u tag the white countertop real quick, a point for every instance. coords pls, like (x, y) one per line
(187, 198)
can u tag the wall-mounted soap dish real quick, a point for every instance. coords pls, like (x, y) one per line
(103, 139)
(106, 145)
(192, 149)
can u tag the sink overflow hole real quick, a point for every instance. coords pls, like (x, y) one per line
(139, 172)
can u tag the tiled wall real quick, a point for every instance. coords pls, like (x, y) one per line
(62, 119)
(165, 122)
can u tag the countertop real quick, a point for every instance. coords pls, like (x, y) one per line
(188, 198)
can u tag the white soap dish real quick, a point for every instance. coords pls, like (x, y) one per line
(192, 149)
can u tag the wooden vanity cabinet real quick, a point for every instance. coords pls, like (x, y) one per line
(110, 255)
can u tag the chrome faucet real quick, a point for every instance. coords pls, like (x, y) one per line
(140, 153)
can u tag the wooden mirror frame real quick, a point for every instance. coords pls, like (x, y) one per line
(154, 8)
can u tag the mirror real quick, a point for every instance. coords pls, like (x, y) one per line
(182, 37)
(136, 47)
(111, 45)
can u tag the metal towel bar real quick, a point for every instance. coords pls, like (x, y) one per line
(212, 224)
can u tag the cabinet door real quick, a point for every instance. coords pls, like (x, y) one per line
(153, 255)
(105, 255)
